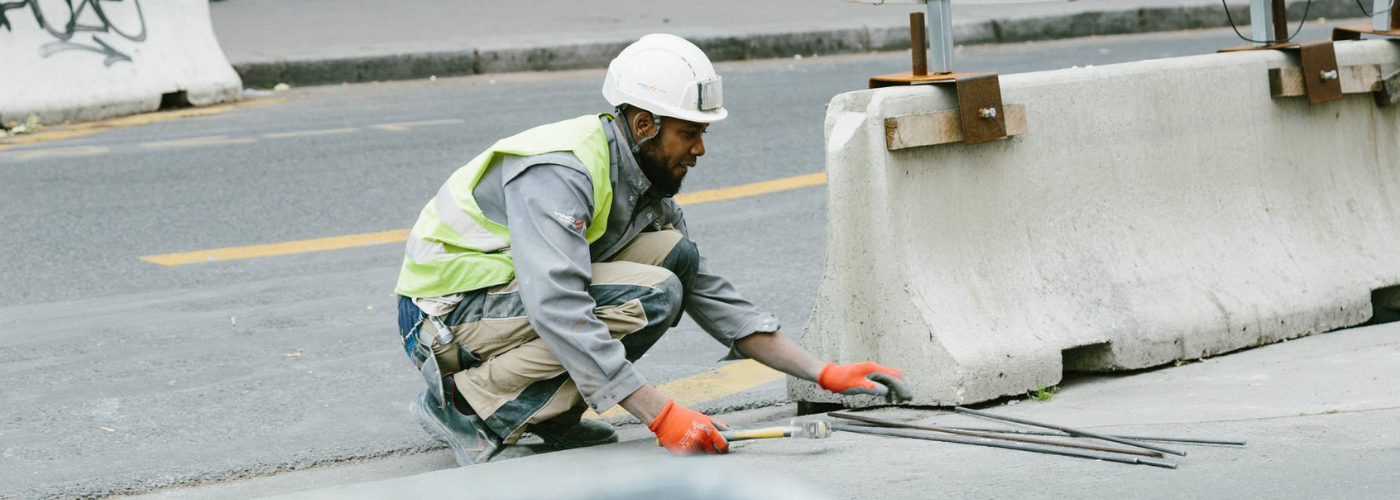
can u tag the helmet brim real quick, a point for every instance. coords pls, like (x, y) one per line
(697, 116)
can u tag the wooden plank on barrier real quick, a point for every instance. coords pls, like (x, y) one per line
(942, 127)
(1288, 82)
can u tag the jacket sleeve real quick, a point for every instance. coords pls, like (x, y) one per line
(549, 206)
(715, 304)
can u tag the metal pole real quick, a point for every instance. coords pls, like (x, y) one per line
(940, 36)
(988, 435)
(918, 44)
(1071, 431)
(999, 444)
(1280, 21)
(1120, 436)
(1261, 19)
(1380, 15)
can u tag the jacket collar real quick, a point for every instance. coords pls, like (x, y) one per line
(629, 173)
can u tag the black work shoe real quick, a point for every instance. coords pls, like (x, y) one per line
(570, 433)
(471, 442)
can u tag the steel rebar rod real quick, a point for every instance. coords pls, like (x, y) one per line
(914, 434)
(918, 42)
(1075, 432)
(1121, 436)
(988, 435)
(1281, 21)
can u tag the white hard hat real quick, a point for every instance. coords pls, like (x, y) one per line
(668, 76)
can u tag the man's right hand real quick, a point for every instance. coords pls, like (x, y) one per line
(685, 431)
(865, 378)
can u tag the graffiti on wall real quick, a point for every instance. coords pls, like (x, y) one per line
(80, 25)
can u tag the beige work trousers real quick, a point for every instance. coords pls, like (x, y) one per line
(519, 381)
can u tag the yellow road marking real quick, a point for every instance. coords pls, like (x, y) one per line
(30, 154)
(212, 140)
(310, 133)
(270, 249)
(85, 129)
(403, 127)
(754, 189)
(708, 386)
(401, 235)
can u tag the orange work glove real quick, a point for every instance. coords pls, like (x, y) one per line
(685, 431)
(865, 378)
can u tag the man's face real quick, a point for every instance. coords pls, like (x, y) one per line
(666, 158)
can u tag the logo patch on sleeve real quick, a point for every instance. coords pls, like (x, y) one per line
(570, 221)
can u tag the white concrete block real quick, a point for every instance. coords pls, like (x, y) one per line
(1155, 211)
(86, 59)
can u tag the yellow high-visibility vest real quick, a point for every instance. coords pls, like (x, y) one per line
(454, 248)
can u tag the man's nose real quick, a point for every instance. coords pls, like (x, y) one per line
(699, 148)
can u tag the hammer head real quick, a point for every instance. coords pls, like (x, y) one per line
(811, 429)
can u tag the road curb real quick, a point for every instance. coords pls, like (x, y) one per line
(317, 70)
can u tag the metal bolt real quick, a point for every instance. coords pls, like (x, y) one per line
(1329, 75)
(987, 112)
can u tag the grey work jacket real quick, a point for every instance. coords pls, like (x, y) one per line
(553, 261)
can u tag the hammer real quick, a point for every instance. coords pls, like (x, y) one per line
(814, 429)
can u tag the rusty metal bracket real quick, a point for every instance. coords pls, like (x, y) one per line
(1385, 22)
(909, 78)
(981, 115)
(980, 112)
(1321, 77)
(979, 107)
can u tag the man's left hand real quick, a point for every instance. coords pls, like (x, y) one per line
(865, 378)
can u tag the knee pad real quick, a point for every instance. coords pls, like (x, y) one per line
(671, 293)
(684, 262)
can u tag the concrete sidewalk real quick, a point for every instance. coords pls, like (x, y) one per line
(1318, 414)
(332, 41)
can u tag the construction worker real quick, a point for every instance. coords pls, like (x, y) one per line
(551, 262)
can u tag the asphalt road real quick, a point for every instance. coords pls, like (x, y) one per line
(121, 376)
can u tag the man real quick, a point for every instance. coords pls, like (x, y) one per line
(550, 263)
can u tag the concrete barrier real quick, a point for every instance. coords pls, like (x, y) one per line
(1155, 211)
(89, 59)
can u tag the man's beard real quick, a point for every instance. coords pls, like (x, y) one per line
(654, 167)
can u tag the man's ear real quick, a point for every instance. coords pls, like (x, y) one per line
(643, 125)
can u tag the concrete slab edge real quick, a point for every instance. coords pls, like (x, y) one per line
(747, 46)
